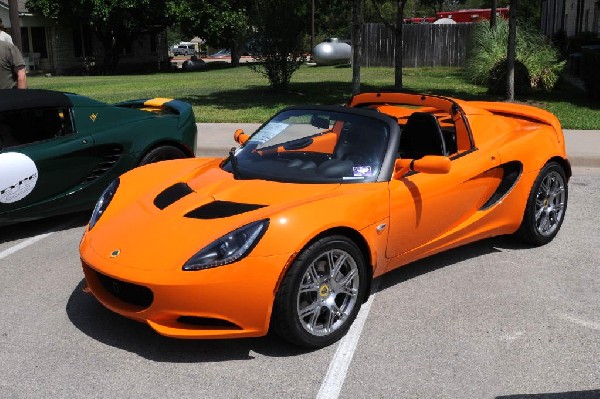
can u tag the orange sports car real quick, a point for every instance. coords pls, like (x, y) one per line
(289, 230)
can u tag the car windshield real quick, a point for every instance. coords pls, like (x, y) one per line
(313, 146)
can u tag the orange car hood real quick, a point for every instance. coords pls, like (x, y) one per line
(150, 238)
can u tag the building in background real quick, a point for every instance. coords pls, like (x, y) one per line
(52, 47)
(571, 16)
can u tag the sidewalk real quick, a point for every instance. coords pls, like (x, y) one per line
(216, 139)
(583, 147)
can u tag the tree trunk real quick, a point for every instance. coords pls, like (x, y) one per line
(111, 51)
(511, 52)
(312, 27)
(399, 47)
(235, 55)
(15, 23)
(356, 45)
(493, 14)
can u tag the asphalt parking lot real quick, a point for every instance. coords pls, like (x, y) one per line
(490, 320)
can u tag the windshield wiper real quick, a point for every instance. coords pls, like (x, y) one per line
(235, 169)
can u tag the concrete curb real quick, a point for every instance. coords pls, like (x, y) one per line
(583, 147)
(216, 139)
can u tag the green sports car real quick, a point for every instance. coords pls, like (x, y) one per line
(59, 151)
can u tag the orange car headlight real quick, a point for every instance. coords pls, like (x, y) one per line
(229, 248)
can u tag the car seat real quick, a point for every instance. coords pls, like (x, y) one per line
(421, 136)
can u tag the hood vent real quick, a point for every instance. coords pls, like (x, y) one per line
(221, 209)
(171, 195)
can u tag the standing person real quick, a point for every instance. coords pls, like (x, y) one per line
(12, 67)
(4, 37)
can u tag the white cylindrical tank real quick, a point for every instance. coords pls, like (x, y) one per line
(332, 52)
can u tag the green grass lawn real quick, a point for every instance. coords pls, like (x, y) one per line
(242, 95)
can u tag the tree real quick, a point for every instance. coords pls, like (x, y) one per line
(511, 52)
(332, 19)
(441, 5)
(116, 23)
(357, 43)
(13, 8)
(398, 39)
(279, 27)
(434, 5)
(493, 14)
(529, 13)
(222, 23)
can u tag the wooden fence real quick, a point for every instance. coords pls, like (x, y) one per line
(424, 45)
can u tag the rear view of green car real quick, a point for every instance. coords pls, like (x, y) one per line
(59, 151)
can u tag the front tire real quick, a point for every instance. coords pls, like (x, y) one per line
(321, 293)
(546, 206)
(162, 153)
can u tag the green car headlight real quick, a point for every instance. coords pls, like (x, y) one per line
(229, 248)
(103, 202)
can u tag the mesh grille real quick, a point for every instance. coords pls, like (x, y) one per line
(132, 294)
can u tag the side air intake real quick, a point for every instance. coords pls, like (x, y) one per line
(109, 159)
(512, 172)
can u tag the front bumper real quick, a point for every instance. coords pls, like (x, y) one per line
(224, 302)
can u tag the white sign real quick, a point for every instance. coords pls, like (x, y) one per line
(18, 176)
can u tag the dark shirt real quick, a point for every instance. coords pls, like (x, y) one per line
(10, 59)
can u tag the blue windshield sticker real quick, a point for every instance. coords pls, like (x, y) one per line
(362, 171)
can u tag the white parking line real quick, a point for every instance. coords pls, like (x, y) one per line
(23, 244)
(586, 323)
(336, 373)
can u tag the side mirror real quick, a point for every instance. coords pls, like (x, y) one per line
(431, 164)
(240, 137)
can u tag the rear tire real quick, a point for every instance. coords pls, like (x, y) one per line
(546, 206)
(162, 153)
(321, 293)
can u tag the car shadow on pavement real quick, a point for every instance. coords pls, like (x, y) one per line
(19, 231)
(447, 258)
(99, 323)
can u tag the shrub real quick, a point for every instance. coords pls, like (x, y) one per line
(277, 40)
(561, 42)
(488, 51)
(497, 78)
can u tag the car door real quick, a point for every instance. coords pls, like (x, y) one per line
(48, 157)
(424, 207)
